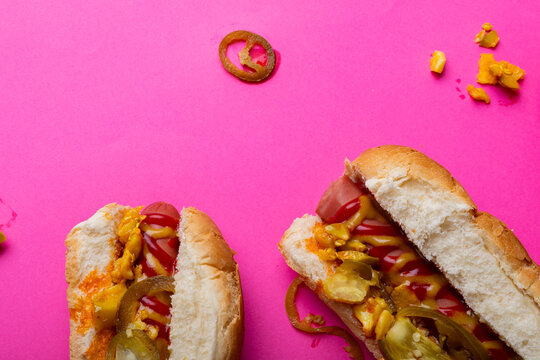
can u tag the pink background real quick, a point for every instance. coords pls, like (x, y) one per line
(127, 101)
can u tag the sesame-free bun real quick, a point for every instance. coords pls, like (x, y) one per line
(477, 253)
(207, 320)
(294, 246)
(90, 248)
(207, 311)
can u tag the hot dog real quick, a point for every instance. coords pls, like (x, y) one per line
(399, 251)
(152, 283)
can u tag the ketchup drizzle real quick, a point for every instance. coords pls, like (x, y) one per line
(346, 211)
(163, 251)
(448, 301)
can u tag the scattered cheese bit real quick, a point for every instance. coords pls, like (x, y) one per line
(478, 94)
(437, 62)
(490, 40)
(384, 323)
(478, 37)
(502, 72)
(368, 313)
(100, 343)
(487, 38)
(484, 75)
(507, 74)
(2, 237)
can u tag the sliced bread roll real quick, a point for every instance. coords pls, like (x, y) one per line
(91, 250)
(295, 247)
(207, 320)
(207, 310)
(480, 257)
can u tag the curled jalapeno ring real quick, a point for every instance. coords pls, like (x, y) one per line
(404, 341)
(130, 300)
(455, 333)
(400, 340)
(135, 342)
(354, 350)
(251, 39)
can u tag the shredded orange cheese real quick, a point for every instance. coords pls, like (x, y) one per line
(311, 245)
(99, 345)
(83, 310)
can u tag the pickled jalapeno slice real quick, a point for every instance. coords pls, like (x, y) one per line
(404, 337)
(127, 344)
(260, 72)
(354, 349)
(130, 300)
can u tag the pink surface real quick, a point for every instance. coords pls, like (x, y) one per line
(126, 101)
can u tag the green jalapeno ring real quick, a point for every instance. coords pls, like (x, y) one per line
(453, 331)
(134, 341)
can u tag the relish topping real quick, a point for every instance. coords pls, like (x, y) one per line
(158, 257)
(148, 246)
(406, 278)
(83, 311)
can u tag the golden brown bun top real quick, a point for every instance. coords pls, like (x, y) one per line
(513, 257)
(476, 252)
(381, 160)
(207, 306)
(208, 243)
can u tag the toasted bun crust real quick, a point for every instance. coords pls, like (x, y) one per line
(212, 320)
(512, 256)
(482, 259)
(207, 309)
(388, 160)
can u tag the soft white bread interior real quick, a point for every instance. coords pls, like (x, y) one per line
(512, 256)
(439, 217)
(482, 259)
(207, 311)
(90, 248)
(294, 246)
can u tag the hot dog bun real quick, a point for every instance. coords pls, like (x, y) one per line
(207, 320)
(207, 309)
(480, 257)
(294, 244)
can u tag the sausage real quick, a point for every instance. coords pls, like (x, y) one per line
(340, 195)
